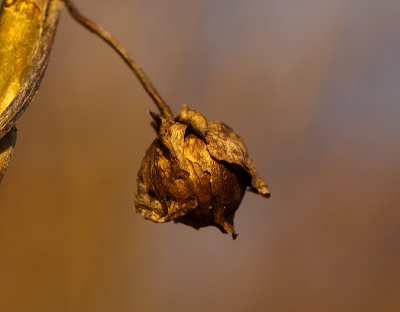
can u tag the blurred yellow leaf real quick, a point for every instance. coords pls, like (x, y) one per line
(20, 28)
(27, 30)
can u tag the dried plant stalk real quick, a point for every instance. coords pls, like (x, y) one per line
(137, 70)
(195, 172)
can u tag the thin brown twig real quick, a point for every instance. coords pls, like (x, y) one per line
(107, 37)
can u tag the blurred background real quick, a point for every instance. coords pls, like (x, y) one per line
(312, 87)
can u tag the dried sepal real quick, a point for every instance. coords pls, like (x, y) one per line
(224, 144)
(195, 173)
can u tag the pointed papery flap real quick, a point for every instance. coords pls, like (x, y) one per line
(222, 147)
(258, 184)
(225, 145)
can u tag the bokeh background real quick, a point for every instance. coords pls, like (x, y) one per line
(311, 86)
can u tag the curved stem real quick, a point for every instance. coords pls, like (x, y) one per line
(107, 37)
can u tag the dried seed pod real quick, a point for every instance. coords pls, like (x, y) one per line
(195, 173)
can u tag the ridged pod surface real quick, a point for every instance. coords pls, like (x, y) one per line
(195, 173)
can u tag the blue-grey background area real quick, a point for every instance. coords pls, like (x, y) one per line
(312, 87)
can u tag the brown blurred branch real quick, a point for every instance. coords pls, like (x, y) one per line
(7, 144)
(107, 37)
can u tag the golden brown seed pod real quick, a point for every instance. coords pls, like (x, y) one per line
(195, 173)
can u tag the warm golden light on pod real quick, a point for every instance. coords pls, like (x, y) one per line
(195, 173)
